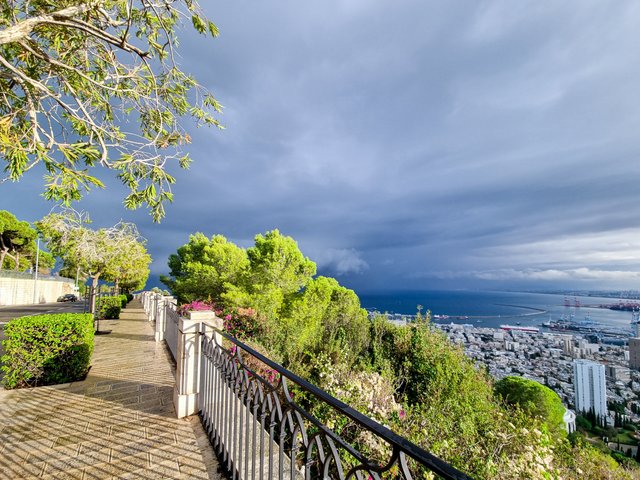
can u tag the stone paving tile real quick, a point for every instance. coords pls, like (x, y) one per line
(95, 455)
(117, 423)
(12, 471)
(44, 454)
(63, 474)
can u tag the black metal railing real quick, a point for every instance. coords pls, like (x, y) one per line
(260, 431)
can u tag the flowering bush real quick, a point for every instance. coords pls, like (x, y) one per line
(256, 366)
(368, 392)
(197, 306)
(239, 322)
(242, 323)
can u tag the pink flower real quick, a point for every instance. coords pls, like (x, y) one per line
(228, 317)
(271, 375)
(194, 306)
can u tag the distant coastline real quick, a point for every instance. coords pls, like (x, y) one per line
(492, 308)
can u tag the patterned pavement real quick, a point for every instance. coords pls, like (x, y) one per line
(117, 423)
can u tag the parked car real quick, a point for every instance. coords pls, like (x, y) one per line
(69, 297)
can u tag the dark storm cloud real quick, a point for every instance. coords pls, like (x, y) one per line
(413, 144)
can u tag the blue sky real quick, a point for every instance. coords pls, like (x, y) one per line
(413, 144)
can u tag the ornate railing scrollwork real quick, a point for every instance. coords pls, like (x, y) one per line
(260, 431)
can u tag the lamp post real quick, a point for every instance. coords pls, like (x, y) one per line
(35, 274)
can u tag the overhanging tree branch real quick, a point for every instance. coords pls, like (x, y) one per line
(24, 28)
(71, 81)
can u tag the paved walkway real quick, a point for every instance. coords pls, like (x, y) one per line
(117, 423)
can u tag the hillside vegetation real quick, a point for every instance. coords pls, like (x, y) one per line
(410, 378)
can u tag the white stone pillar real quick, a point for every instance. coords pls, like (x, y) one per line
(154, 307)
(161, 319)
(167, 301)
(185, 396)
(159, 307)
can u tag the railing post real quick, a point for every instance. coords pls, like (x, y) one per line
(153, 314)
(185, 396)
(161, 319)
(212, 329)
(159, 308)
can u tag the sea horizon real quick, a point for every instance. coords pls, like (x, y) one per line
(491, 308)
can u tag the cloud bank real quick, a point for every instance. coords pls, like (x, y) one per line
(414, 145)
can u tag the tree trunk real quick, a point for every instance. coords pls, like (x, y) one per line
(3, 253)
(94, 290)
(11, 257)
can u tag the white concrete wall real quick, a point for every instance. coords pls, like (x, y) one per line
(19, 291)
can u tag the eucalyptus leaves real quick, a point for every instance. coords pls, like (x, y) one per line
(73, 78)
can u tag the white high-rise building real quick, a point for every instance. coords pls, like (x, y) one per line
(590, 387)
(634, 353)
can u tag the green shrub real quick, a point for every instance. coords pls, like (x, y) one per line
(123, 300)
(47, 349)
(129, 297)
(110, 307)
(535, 399)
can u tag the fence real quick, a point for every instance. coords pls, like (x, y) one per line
(247, 406)
(171, 330)
(161, 309)
(21, 288)
(6, 273)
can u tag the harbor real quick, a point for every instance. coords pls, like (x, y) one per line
(606, 320)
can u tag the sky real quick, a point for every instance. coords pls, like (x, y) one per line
(410, 144)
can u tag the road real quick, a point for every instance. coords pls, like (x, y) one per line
(15, 311)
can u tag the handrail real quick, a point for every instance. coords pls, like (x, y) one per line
(257, 428)
(400, 445)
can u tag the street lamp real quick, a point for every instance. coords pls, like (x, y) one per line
(35, 274)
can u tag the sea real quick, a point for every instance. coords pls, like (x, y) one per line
(491, 309)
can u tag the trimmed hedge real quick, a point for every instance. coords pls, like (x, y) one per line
(110, 307)
(47, 349)
(123, 300)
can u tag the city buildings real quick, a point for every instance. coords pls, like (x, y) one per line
(634, 353)
(590, 388)
(547, 357)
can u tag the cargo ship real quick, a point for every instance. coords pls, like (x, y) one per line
(569, 323)
(519, 328)
(586, 326)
